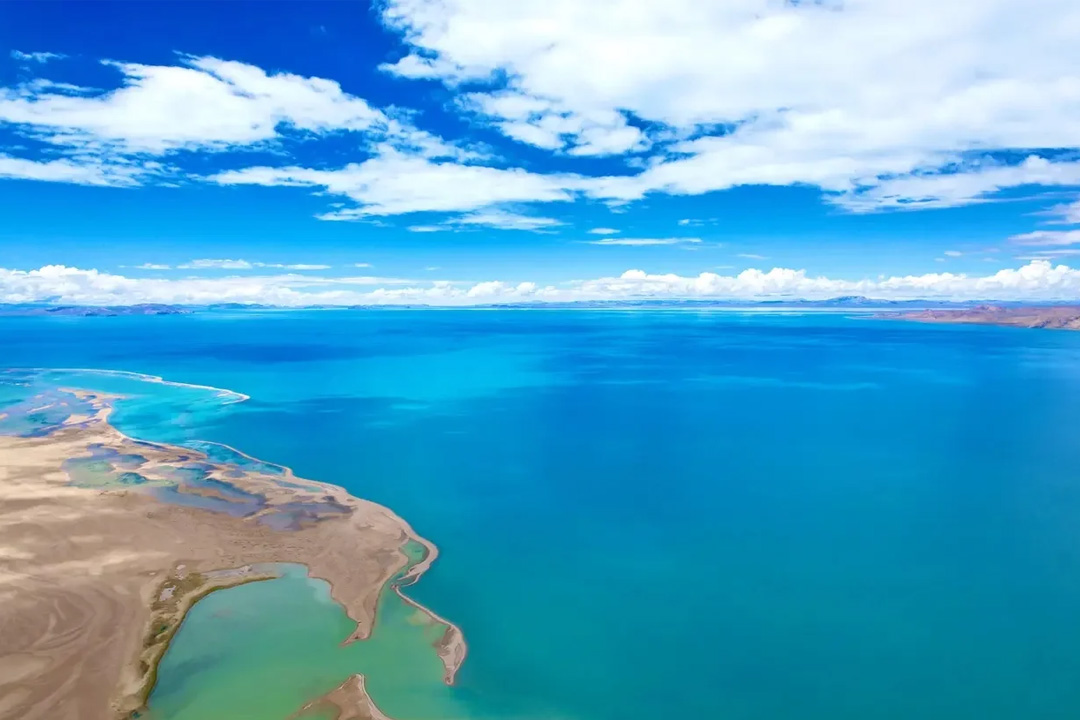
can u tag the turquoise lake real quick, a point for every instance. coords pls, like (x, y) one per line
(662, 514)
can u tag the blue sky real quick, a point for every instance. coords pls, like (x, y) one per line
(469, 151)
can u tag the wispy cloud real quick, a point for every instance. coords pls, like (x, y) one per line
(604, 231)
(1048, 237)
(505, 220)
(1049, 254)
(39, 57)
(225, 264)
(1065, 213)
(494, 218)
(953, 253)
(751, 256)
(643, 241)
(211, 264)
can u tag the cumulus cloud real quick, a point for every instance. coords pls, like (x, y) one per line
(870, 101)
(202, 103)
(199, 104)
(879, 105)
(1037, 280)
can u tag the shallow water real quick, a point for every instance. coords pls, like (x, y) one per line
(263, 650)
(684, 514)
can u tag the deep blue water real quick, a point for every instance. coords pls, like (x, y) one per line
(675, 514)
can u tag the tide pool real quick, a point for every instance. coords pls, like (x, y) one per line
(665, 514)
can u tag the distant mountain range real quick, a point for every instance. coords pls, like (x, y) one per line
(92, 310)
(847, 301)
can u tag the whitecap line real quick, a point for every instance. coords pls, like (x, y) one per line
(234, 396)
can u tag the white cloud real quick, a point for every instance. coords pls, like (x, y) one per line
(882, 104)
(82, 171)
(395, 183)
(152, 266)
(1067, 214)
(1048, 237)
(1037, 280)
(223, 264)
(953, 253)
(38, 57)
(507, 220)
(643, 241)
(202, 103)
(971, 182)
(1050, 254)
(604, 231)
(547, 124)
(495, 218)
(751, 256)
(210, 264)
(362, 265)
(417, 68)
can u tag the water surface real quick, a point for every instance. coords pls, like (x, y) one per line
(670, 514)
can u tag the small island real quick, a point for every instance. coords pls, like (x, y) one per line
(108, 541)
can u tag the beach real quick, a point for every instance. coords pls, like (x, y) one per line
(106, 542)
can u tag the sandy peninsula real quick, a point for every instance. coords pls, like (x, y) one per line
(1054, 317)
(95, 576)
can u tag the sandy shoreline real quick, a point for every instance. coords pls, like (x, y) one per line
(95, 579)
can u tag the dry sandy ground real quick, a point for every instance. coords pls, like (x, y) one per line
(94, 581)
(349, 701)
(1055, 317)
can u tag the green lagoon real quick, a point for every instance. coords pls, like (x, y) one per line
(263, 650)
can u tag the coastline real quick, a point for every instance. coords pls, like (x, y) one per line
(348, 701)
(451, 647)
(1048, 317)
(184, 552)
